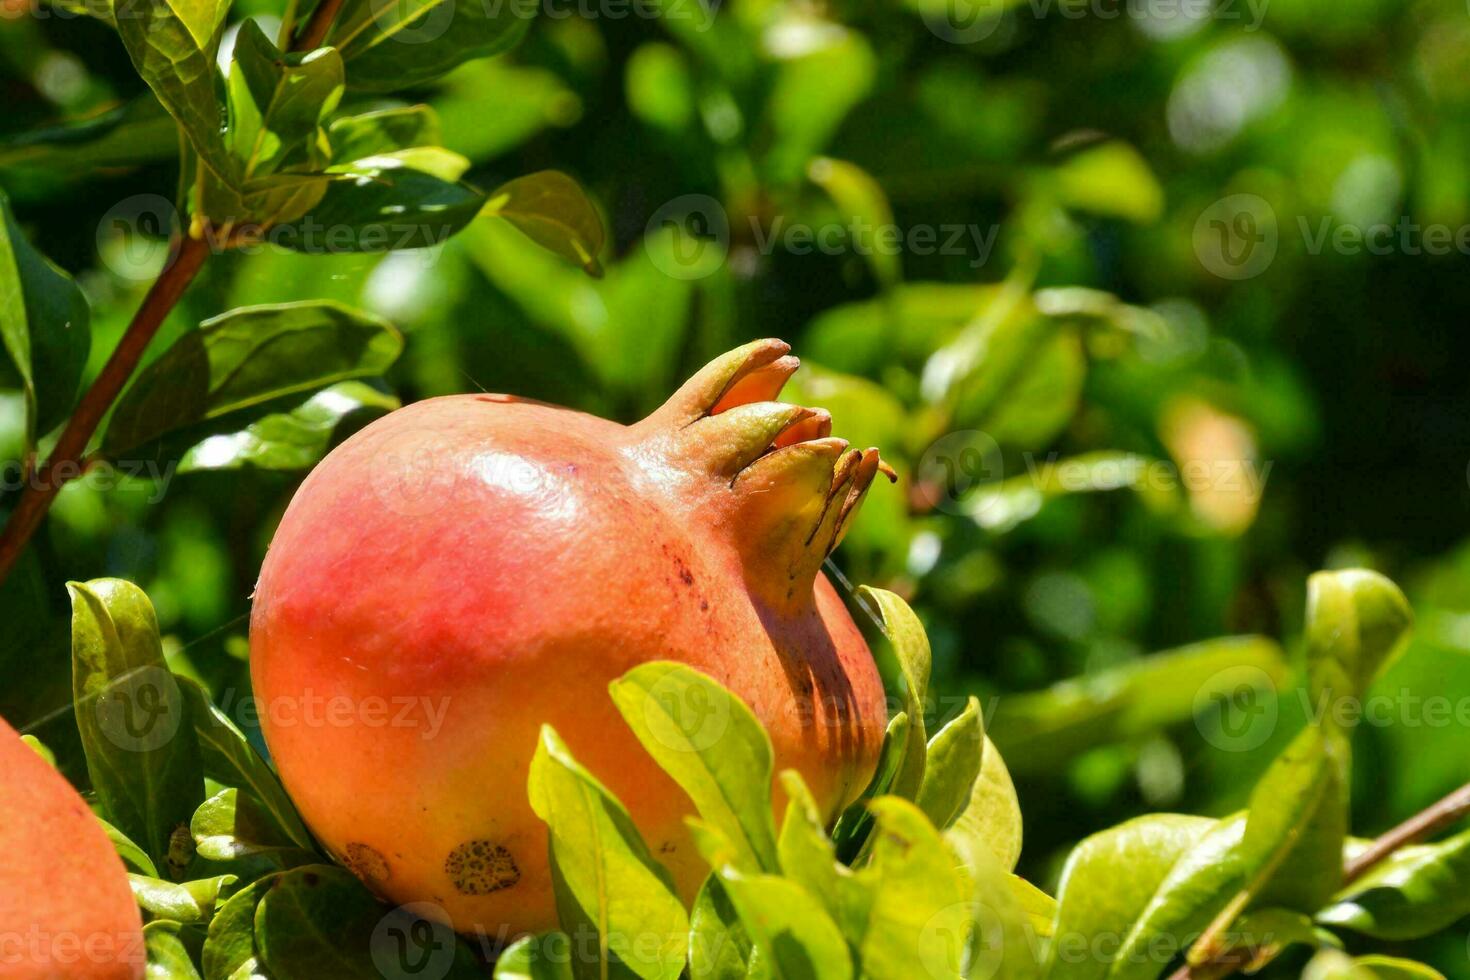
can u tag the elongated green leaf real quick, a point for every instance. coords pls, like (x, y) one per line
(712, 745)
(132, 855)
(230, 945)
(992, 816)
(1416, 892)
(719, 947)
(553, 211)
(860, 199)
(1108, 882)
(911, 647)
(168, 957)
(44, 328)
(605, 876)
(528, 958)
(173, 44)
(228, 758)
(952, 764)
(191, 901)
(1333, 964)
(232, 825)
(796, 939)
(395, 44)
(1041, 730)
(277, 102)
(142, 755)
(246, 358)
(388, 205)
(293, 440)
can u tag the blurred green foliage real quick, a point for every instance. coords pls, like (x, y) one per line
(1109, 448)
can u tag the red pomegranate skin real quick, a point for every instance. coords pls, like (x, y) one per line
(66, 909)
(483, 564)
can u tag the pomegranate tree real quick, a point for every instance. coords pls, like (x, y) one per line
(471, 567)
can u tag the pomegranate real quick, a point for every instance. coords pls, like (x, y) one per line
(469, 567)
(65, 906)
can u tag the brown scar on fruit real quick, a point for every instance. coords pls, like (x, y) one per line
(479, 867)
(367, 862)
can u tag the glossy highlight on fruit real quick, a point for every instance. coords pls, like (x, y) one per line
(65, 906)
(471, 567)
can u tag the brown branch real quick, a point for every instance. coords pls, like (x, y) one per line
(317, 26)
(1434, 818)
(1430, 820)
(65, 461)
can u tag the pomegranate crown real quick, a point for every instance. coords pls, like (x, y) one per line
(788, 487)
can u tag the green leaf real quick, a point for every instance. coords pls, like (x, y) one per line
(397, 44)
(1358, 623)
(1108, 881)
(853, 827)
(142, 755)
(132, 855)
(294, 440)
(1001, 939)
(388, 205)
(230, 945)
(40, 749)
(1415, 892)
(231, 825)
(604, 876)
(44, 328)
(382, 132)
(278, 102)
(911, 646)
(952, 765)
(1197, 885)
(812, 92)
(190, 902)
(918, 907)
(795, 938)
(168, 957)
(172, 44)
(553, 211)
(719, 947)
(228, 758)
(711, 744)
(992, 817)
(1003, 505)
(139, 131)
(528, 959)
(247, 358)
(1040, 731)
(1332, 964)
(860, 199)
(317, 921)
(1110, 179)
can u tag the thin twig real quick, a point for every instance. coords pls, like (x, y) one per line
(65, 461)
(317, 26)
(1430, 820)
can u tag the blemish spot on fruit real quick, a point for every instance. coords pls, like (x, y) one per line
(311, 879)
(479, 867)
(368, 863)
